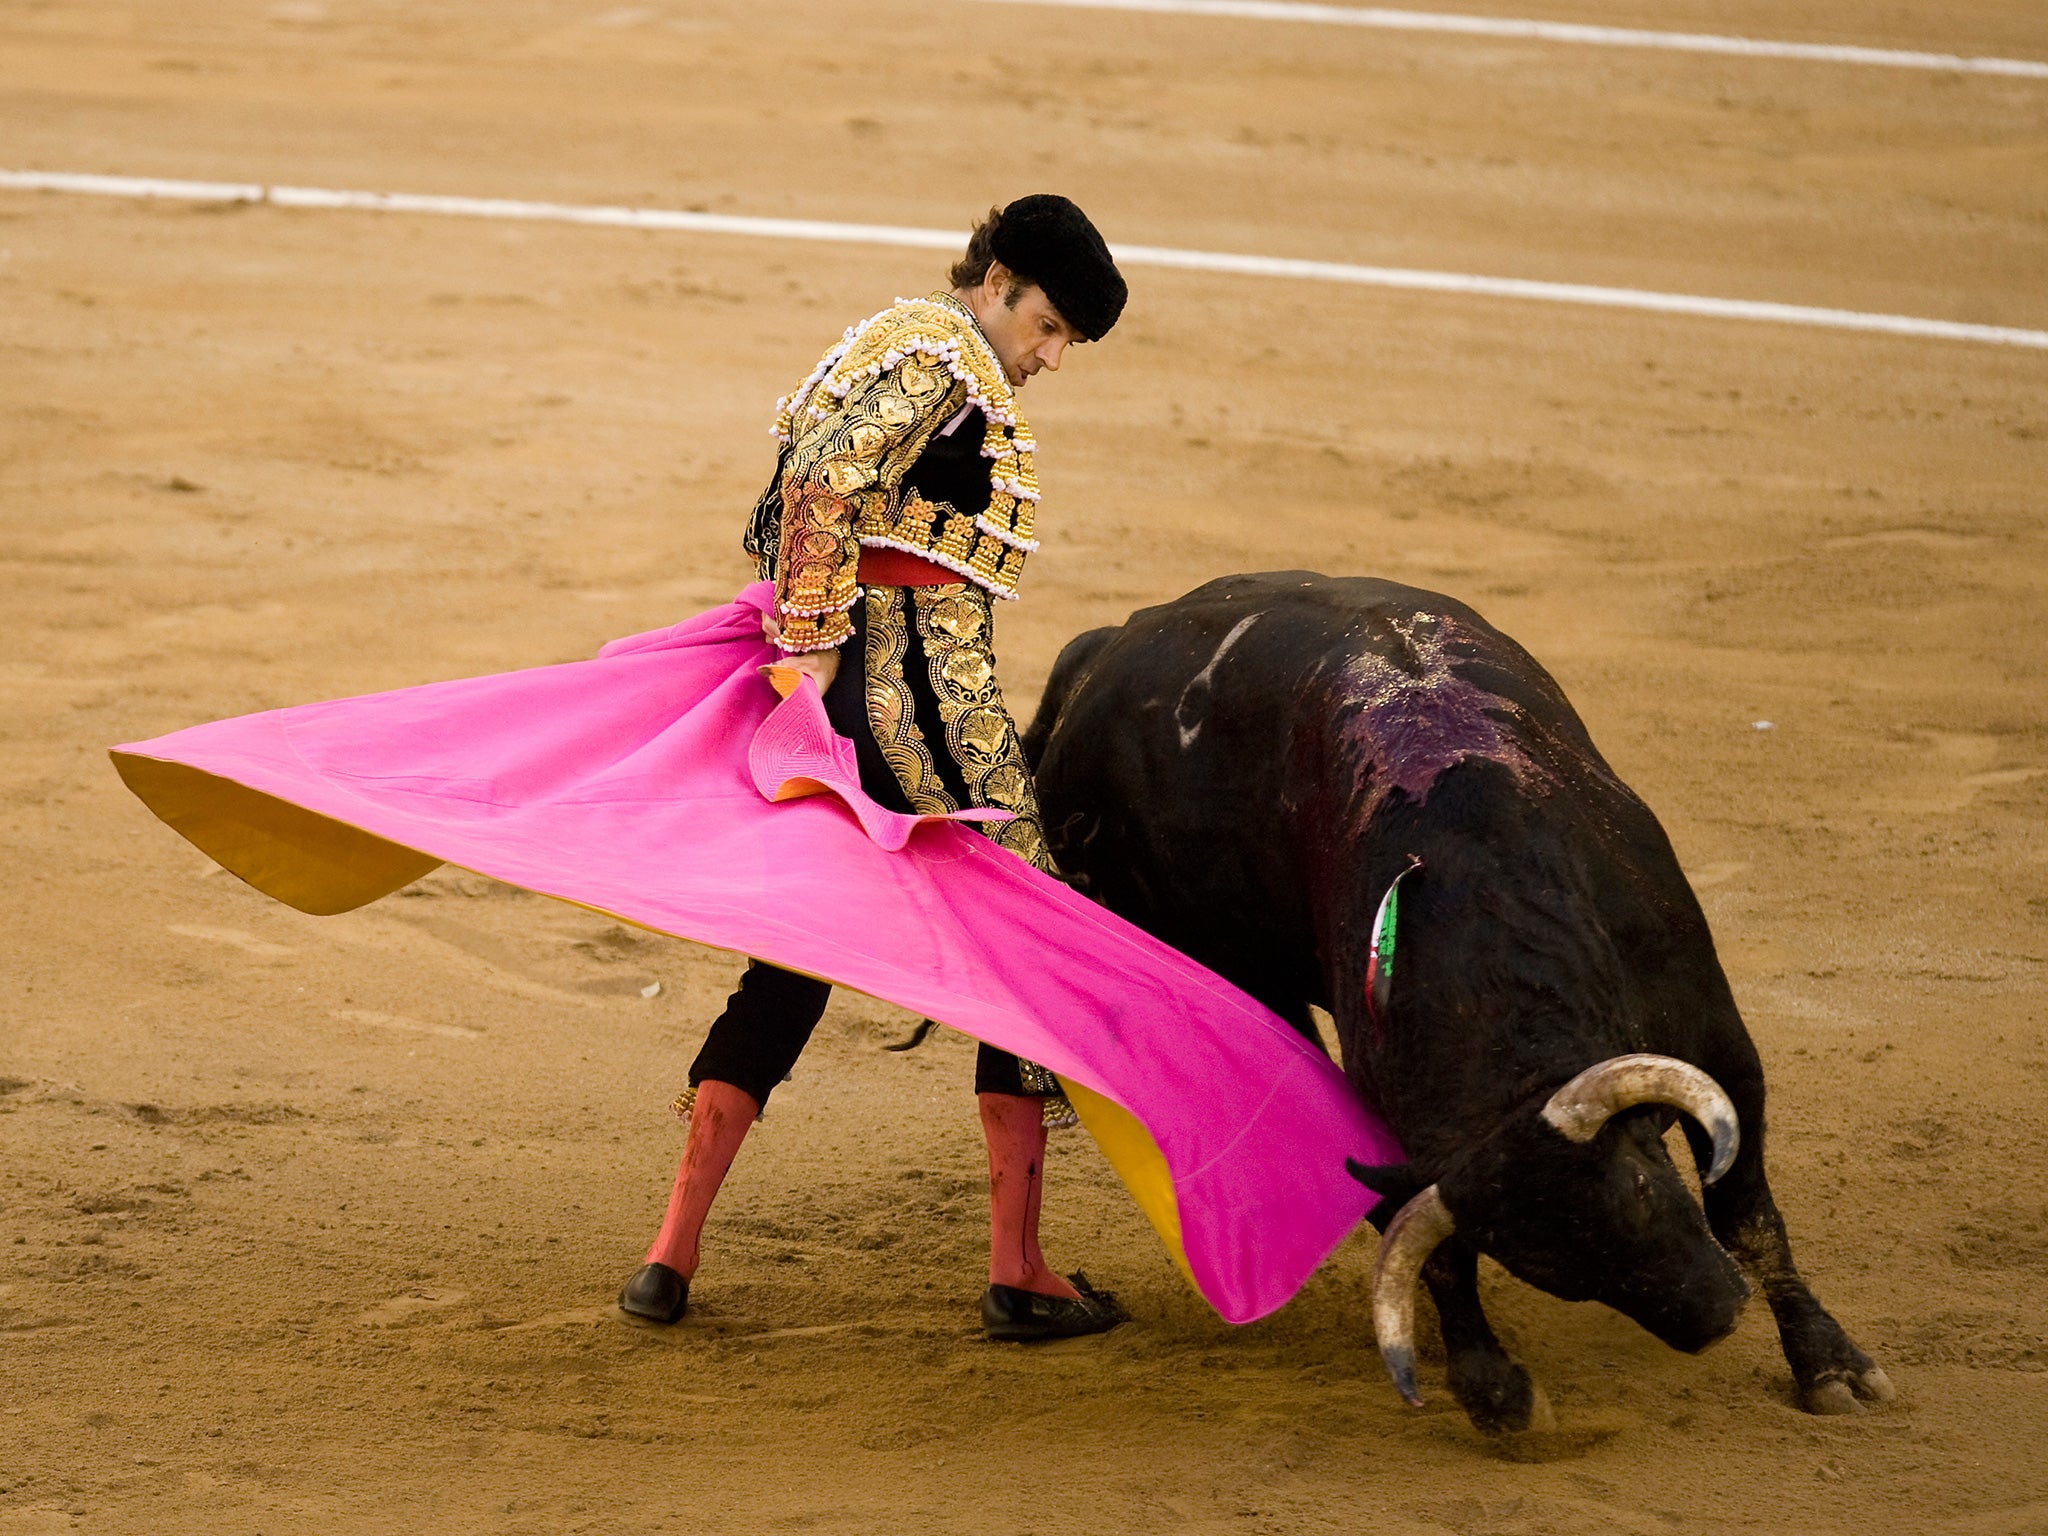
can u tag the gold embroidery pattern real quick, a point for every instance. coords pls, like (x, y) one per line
(957, 627)
(841, 476)
(892, 713)
(853, 429)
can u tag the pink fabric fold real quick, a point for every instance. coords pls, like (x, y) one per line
(795, 752)
(645, 783)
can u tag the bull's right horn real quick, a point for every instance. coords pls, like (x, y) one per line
(1411, 1237)
(1605, 1089)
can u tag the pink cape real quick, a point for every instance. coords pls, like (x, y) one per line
(664, 783)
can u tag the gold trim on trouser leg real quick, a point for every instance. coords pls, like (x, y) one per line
(957, 627)
(892, 712)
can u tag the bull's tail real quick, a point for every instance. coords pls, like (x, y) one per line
(917, 1037)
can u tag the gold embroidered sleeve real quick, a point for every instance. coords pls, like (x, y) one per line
(845, 466)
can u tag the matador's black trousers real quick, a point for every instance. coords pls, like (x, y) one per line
(769, 1019)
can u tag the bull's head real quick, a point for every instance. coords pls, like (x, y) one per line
(1582, 1201)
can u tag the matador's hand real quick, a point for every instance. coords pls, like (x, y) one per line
(821, 667)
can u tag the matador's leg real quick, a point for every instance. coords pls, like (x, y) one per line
(939, 718)
(952, 742)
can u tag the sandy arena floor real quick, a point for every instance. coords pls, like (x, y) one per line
(313, 1224)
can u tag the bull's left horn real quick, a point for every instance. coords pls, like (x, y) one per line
(1411, 1237)
(1605, 1089)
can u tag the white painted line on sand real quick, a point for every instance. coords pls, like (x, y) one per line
(1580, 293)
(477, 208)
(949, 240)
(1558, 32)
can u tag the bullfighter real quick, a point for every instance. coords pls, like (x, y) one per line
(900, 511)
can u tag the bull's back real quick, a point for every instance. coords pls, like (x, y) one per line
(1224, 768)
(1233, 688)
(1187, 768)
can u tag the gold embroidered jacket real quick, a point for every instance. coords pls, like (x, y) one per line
(851, 433)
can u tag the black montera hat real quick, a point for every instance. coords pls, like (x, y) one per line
(1049, 241)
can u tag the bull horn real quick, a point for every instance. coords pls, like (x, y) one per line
(1411, 1237)
(1603, 1090)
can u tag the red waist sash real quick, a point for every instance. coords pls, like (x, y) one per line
(881, 566)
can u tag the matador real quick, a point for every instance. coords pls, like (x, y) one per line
(901, 509)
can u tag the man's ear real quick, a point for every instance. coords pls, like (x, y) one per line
(1395, 1183)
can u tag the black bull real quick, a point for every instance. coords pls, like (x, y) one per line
(1245, 772)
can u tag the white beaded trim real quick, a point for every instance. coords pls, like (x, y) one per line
(1008, 454)
(803, 391)
(839, 386)
(946, 352)
(817, 645)
(957, 567)
(996, 531)
(795, 612)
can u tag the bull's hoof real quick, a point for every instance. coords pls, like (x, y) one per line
(1498, 1395)
(1847, 1393)
(1832, 1397)
(1541, 1420)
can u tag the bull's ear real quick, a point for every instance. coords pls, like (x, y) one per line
(1395, 1183)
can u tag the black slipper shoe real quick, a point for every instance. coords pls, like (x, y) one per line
(1025, 1317)
(657, 1293)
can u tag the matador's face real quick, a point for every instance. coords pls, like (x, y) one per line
(1027, 332)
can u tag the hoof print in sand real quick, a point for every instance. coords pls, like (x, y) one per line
(413, 1308)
